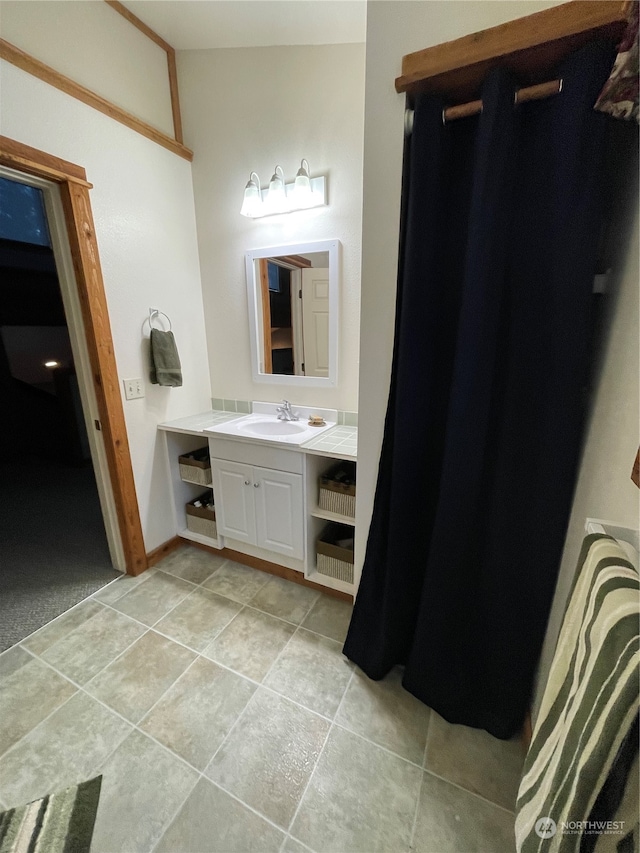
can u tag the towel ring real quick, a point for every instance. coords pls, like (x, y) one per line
(155, 314)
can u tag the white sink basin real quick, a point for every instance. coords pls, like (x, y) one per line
(273, 428)
(264, 426)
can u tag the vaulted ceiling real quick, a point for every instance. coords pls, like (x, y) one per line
(200, 24)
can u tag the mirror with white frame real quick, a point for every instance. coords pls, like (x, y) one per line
(293, 313)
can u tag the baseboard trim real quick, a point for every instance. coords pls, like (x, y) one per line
(163, 550)
(271, 569)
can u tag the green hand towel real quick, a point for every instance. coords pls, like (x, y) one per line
(165, 361)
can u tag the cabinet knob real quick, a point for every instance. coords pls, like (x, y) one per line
(256, 485)
(247, 482)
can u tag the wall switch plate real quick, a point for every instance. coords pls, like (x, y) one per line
(133, 388)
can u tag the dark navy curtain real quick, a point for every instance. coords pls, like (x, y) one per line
(486, 405)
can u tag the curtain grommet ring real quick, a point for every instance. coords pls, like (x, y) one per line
(408, 121)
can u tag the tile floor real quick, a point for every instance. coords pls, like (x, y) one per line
(217, 704)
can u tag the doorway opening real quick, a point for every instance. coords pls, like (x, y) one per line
(54, 544)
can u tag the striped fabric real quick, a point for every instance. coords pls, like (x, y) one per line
(58, 823)
(589, 706)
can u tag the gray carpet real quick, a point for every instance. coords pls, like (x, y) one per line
(53, 547)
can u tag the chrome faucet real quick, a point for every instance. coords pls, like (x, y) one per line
(285, 413)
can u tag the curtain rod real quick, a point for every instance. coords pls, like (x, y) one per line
(528, 93)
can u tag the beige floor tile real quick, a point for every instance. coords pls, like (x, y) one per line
(451, 820)
(268, 758)
(360, 798)
(250, 643)
(293, 846)
(236, 581)
(195, 715)
(198, 618)
(386, 714)
(60, 627)
(285, 599)
(312, 671)
(191, 564)
(153, 599)
(29, 692)
(86, 651)
(475, 760)
(330, 617)
(213, 822)
(142, 786)
(121, 586)
(137, 679)
(65, 749)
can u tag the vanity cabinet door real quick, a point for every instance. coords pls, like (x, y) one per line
(279, 512)
(233, 490)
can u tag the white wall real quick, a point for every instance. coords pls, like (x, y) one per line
(247, 109)
(95, 46)
(143, 208)
(604, 488)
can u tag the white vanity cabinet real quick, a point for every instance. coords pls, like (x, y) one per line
(266, 496)
(259, 506)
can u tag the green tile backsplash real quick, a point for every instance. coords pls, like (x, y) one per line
(244, 407)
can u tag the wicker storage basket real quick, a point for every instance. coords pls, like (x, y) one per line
(195, 467)
(200, 519)
(336, 496)
(334, 560)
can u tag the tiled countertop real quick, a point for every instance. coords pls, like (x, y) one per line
(340, 441)
(196, 424)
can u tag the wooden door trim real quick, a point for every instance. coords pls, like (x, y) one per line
(74, 193)
(266, 316)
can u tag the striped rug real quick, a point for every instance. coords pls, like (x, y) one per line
(58, 823)
(589, 706)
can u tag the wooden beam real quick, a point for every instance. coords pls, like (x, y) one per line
(121, 9)
(530, 47)
(33, 162)
(31, 65)
(293, 260)
(175, 95)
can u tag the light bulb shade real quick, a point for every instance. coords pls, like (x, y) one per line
(277, 196)
(252, 202)
(302, 193)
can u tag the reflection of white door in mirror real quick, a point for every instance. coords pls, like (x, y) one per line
(315, 321)
(293, 313)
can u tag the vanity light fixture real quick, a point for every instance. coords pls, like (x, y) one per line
(303, 193)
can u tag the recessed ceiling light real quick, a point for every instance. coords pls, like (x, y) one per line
(52, 364)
